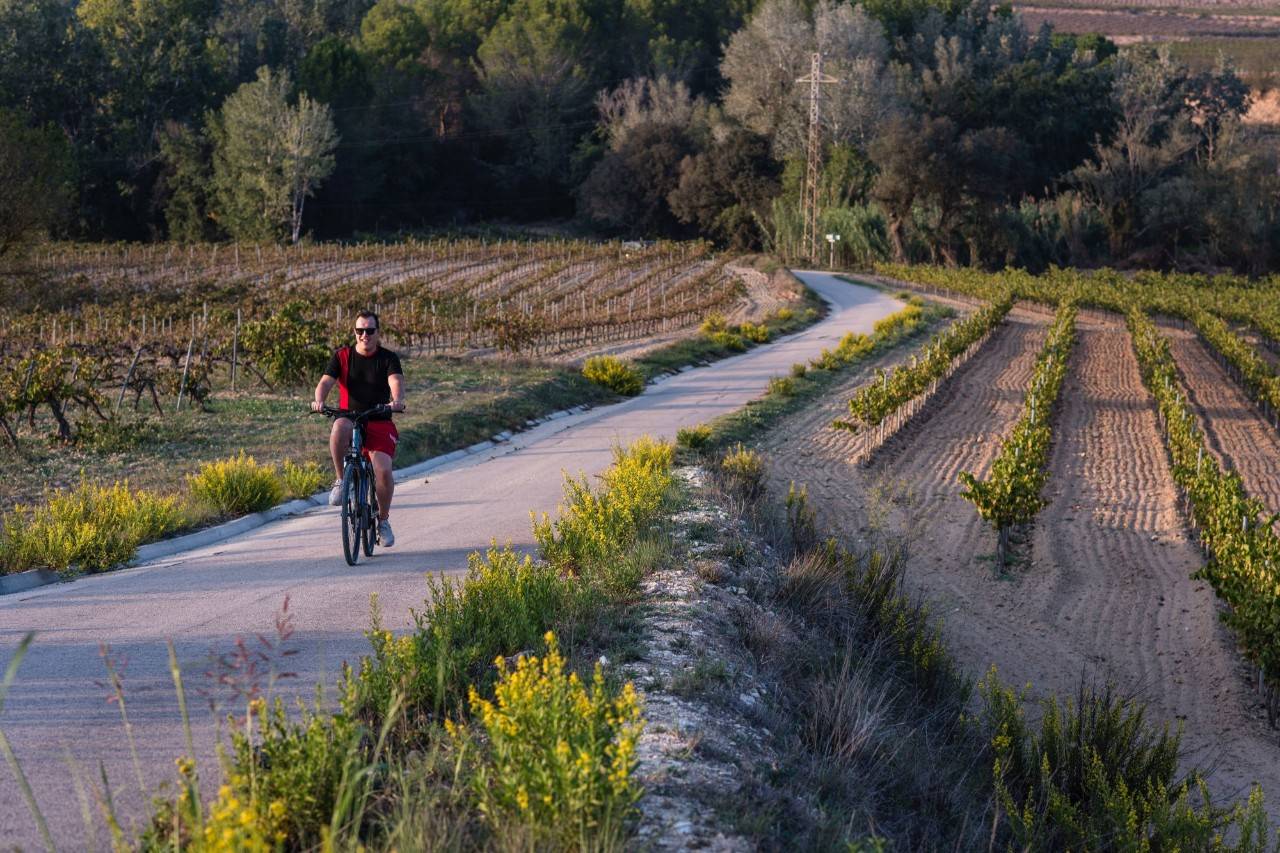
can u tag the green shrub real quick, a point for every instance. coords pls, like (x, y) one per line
(557, 759)
(1097, 776)
(288, 347)
(782, 386)
(595, 527)
(90, 528)
(714, 323)
(784, 314)
(303, 481)
(694, 437)
(743, 471)
(613, 374)
(502, 606)
(729, 341)
(799, 369)
(237, 485)
(755, 334)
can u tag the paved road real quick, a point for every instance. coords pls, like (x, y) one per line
(204, 598)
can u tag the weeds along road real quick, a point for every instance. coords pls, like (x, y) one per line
(58, 716)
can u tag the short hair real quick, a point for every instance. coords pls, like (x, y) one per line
(372, 315)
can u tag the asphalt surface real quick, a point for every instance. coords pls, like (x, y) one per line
(58, 716)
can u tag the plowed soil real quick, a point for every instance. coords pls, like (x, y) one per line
(1106, 593)
(1235, 432)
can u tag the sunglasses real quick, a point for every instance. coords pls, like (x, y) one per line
(360, 332)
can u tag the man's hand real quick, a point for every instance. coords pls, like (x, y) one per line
(316, 406)
(397, 406)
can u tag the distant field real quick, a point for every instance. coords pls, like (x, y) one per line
(1246, 31)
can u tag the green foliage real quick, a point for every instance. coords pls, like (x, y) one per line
(614, 374)
(728, 341)
(269, 157)
(1011, 492)
(556, 764)
(694, 437)
(303, 481)
(236, 486)
(290, 348)
(713, 323)
(595, 527)
(743, 472)
(502, 606)
(877, 400)
(35, 179)
(783, 386)
(90, 528)
(799, 369)
(1097, 776)
(757, 334)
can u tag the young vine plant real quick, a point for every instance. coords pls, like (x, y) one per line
(1011, 493)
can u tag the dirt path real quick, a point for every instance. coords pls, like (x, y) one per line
(1107, 593)
(1235, 433)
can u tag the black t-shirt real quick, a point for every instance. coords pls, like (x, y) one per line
(365, 384)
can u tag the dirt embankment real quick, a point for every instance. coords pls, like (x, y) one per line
(1107, 592)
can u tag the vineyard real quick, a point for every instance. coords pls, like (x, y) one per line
(1091, 494)
(1236, 529)
(88, 331)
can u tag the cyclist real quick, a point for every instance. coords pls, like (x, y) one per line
(367, 375)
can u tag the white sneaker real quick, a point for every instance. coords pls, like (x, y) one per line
(385, 537)
(335, 494)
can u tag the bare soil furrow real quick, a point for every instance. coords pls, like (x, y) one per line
(1235, 432)
(1111, 572)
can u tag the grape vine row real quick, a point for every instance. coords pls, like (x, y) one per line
(1243, 548)
(875, 402)
(1010, 494)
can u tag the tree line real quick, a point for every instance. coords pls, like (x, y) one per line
(954, 134)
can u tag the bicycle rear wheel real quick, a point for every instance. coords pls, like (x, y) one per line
(371, 507)
(352, 510)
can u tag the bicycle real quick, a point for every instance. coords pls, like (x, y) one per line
(359, 497)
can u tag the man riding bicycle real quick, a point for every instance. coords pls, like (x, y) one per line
(367, 375)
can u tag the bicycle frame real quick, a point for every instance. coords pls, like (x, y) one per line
(359, 494)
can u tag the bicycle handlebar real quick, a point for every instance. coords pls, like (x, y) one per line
(380, 409)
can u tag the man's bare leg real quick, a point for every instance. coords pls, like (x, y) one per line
(384, 484)
(339, 444)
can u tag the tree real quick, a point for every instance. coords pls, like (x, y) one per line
(534, 101)
(185, 183)
(766, 57)
(269, 157)
(1152, 139)
(35, 179)
(725, 191)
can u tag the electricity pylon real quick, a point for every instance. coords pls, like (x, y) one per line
(809, 206)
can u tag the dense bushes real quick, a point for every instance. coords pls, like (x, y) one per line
(90, 528)
(236, 486)
(613, 374)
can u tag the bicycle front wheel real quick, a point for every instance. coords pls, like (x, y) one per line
(371, 528)
(352, 510)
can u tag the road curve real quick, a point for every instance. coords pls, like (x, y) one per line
(57, 714)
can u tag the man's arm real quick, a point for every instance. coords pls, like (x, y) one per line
(396, 381)
(322, 391)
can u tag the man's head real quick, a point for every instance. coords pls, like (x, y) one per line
(367, 330)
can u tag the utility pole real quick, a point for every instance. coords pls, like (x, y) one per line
(809, 206)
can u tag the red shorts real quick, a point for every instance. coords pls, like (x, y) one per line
(381, 436)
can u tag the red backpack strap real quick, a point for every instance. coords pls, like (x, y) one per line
(344, 367)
